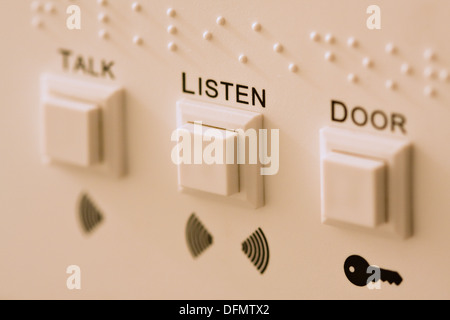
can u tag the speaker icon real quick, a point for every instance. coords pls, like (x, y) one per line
(89, 215)
(197, 237)
(256, 248)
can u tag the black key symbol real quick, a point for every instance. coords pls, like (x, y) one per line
(356, 270)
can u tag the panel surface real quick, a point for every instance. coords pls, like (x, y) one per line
(139, 250)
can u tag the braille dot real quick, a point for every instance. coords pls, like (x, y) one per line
(314, 36)
(102, 2)
(137, 40)
(220, 21)
(256, 26)
(429, 55)
(352, 42)
(329, 56)
(103, 34)
(171, 12)
(351, 77)
(37, 22)
(36, 6)
(207, 35)
(429, 91)
(136, 6)
(277, 47)
(390, 48)
(390, 84)
(49, 7)
(172, 46)
(103, 17)
(367, 62)
(243, 58)
(429, 73)
(405, 68)
(172, 29)
(329, 38)
(443, 75)
(293, 68)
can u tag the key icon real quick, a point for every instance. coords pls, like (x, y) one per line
(356, 270)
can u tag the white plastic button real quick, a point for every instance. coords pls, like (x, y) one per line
(72, 131)
(366, 181)
(83, 124)
(215, 173)
(250, 186)
(354, 190)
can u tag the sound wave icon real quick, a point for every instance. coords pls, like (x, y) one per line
(90, 216)
(197, 237)
(256, 248)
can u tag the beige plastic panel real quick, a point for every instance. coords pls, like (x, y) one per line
(139, 250)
